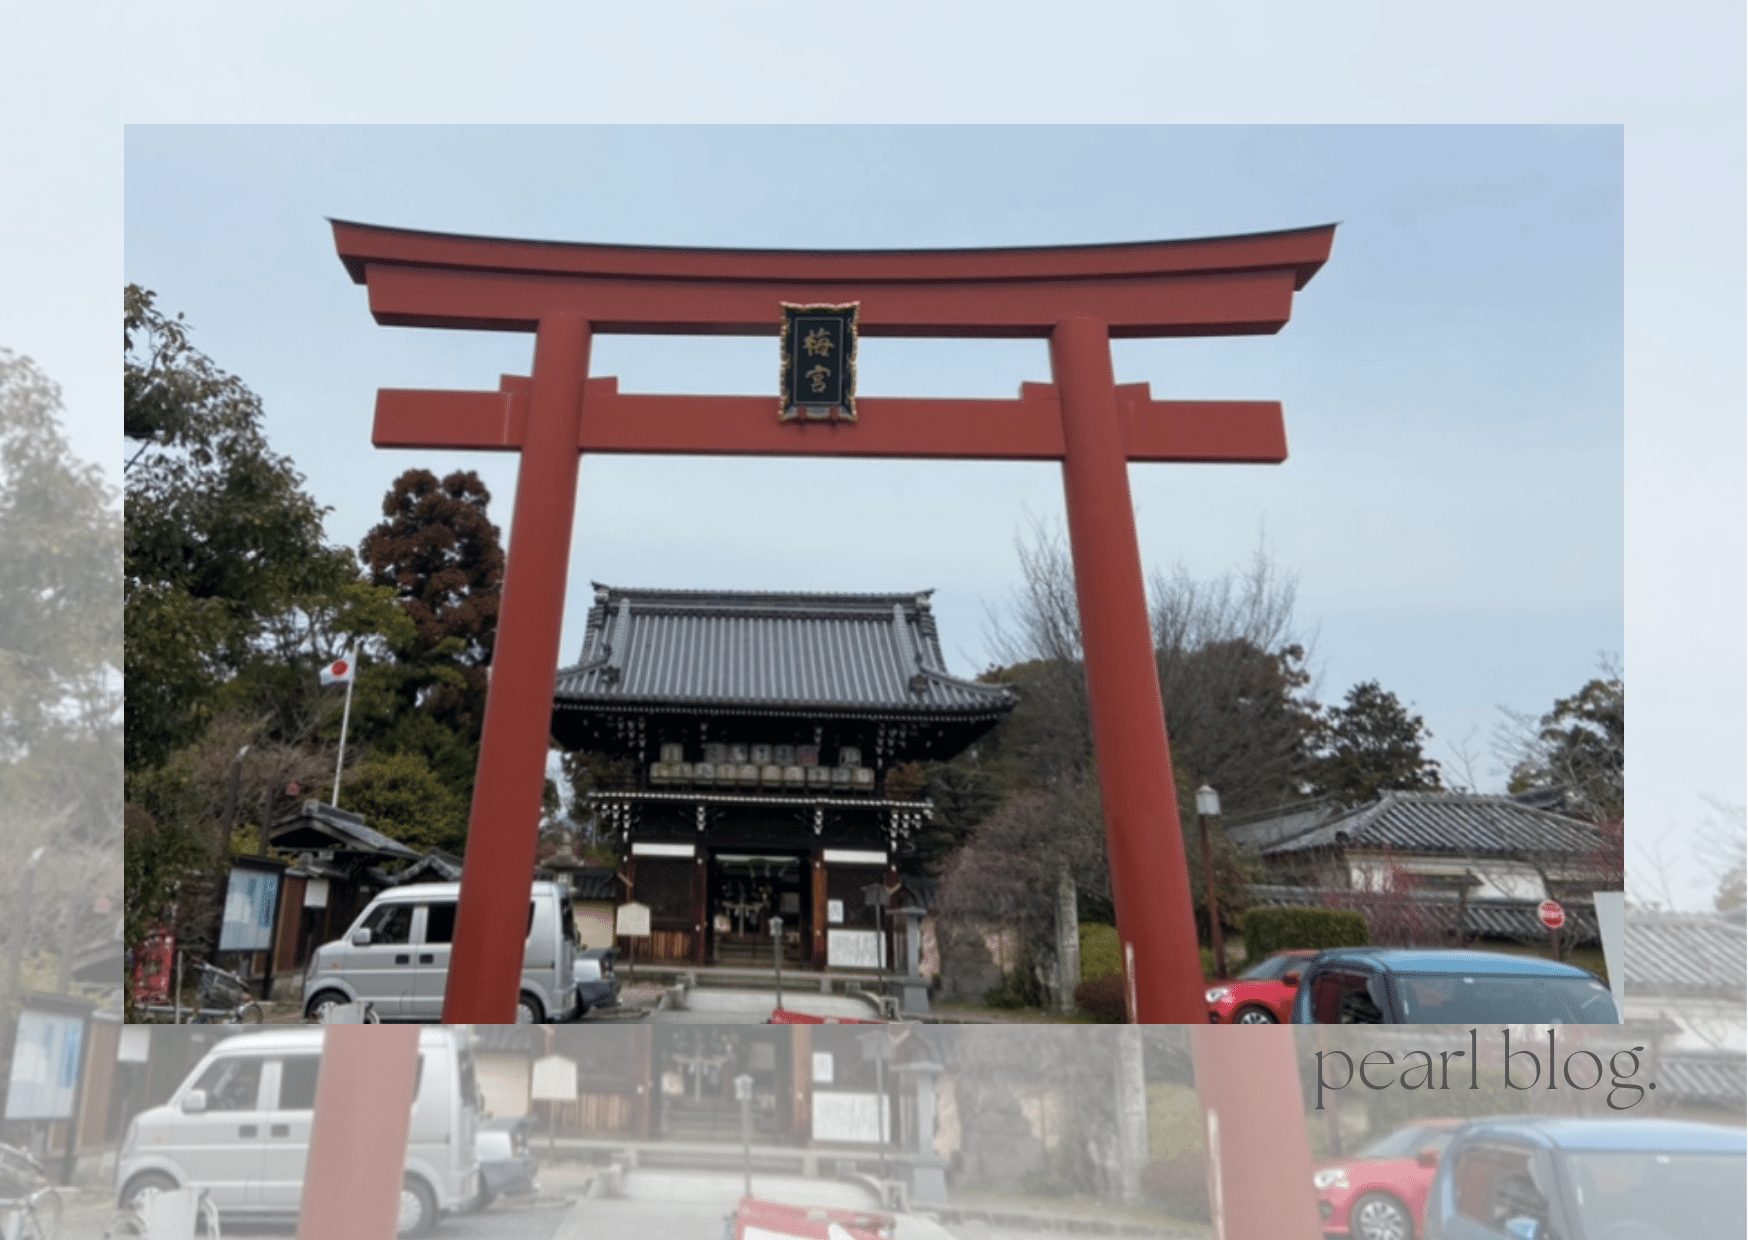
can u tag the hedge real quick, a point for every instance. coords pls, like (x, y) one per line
(1270, 930)
(1103, 1000)
(1102, 957)
(1099, 953)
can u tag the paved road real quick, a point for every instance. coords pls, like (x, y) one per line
(655, 1205)
(533, 1222)
(725, 1005)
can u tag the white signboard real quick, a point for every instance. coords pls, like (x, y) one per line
(45, 1065)
(822, 1067)
(250, 897)
(315, 893)
(834, 912)
(632, 920)
(852, 1118)
(1610, 919)
(852, 949)
(555, 1080)
(135, 1044)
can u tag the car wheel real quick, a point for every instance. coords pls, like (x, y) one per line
(1254, 1016)
(1378, 1216)
(418, 1209)
(323, 1002)
(143, 1183)
(528, 1011)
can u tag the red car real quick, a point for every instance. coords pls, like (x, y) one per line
(754, 1219)
(1380, 1193)
(1262, 995)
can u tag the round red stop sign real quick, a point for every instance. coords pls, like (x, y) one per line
(1552, 915)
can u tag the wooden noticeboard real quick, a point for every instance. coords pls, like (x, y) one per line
(632, 921)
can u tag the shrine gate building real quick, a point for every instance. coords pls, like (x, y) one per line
(744, 747)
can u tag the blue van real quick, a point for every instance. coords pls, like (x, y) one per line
(1543, 1178)
(1426, 986)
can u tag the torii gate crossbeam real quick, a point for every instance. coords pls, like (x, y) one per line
(1077, 297)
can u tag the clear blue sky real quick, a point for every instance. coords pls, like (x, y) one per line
(1452, 379)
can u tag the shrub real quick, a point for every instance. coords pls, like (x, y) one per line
(1102, 999)
(1100, 953)
(1179, 1186)
(1013, 993)
(1269, 930)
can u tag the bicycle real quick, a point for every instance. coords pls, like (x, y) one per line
(30, 1206)
(136, 1219)
(220, 998)
(223, 998)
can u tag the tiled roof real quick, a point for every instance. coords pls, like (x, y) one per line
(434, 867)
(1482, 918)
(596, 883)
(1258, 831)
(1684, 953)
(1720, 1079)
(1447, 822)
(848, 652)
(319, 826)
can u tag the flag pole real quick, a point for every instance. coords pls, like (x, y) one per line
(345, 718)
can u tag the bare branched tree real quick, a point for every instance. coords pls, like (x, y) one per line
(1236, 693)
(1233, 674)
(1579, 746)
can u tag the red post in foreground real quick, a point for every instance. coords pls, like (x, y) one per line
(1259, 1158)
(358, 1139)
(1162, 964)
(485, 966)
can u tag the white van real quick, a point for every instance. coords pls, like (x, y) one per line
(396, 956)
(239, 1127)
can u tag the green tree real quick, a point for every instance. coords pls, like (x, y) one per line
(401, 796)
(1235, 679)
(219, 535)
(1578, 746)
(1373, 744)
(438, 550)
(60, 638)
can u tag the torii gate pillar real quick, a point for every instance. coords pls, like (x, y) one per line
(1142, 833)
(517, 728)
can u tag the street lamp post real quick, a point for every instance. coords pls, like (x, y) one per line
(743, 1094)
(777, 956)
(875, 1046)
(1208, 806)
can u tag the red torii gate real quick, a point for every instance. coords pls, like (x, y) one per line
(1077, 297)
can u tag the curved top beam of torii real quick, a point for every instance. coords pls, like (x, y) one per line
(1234, 285)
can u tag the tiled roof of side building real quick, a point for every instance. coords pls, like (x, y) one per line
(1483, 917)
(1446, 822)
(319, 826)
(1720, 1078)
(596, 883)
(1685, 953)
(847, 652)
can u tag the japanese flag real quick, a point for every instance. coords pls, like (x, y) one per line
(341, 671)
